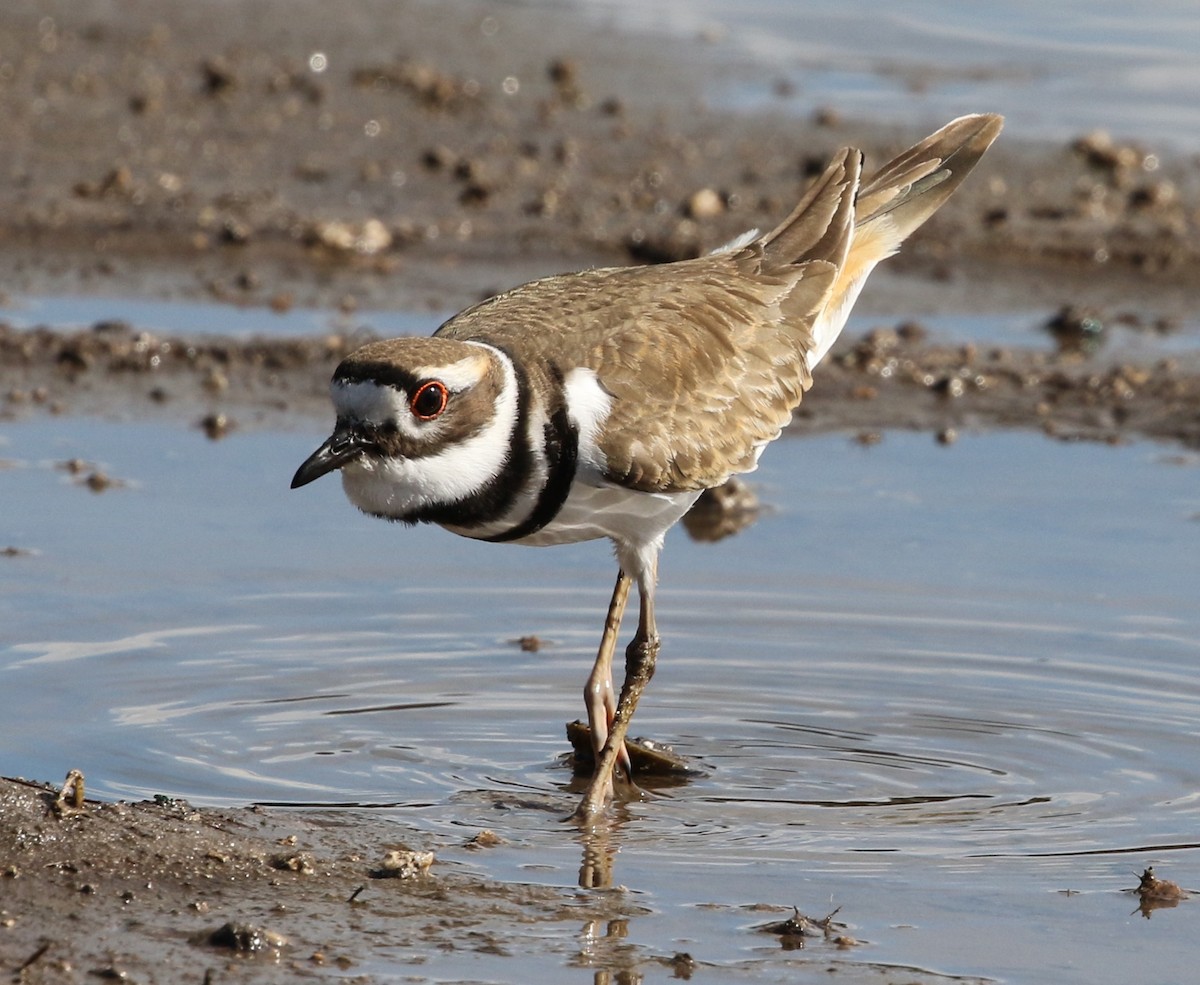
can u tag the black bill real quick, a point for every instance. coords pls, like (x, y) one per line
(342, 447)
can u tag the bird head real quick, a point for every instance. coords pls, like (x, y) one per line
(422, 423)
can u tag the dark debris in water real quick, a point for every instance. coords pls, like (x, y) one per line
(90, 476)
(722, 511)
(1155, 893)
(1076, 329)
(487, 838)
(798, 929)
(648, 758)
(216, 426)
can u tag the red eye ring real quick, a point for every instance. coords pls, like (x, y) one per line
(429, 401)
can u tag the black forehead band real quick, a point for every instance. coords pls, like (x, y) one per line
(379, 373)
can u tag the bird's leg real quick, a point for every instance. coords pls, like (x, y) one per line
(598, 690)
(640, 657)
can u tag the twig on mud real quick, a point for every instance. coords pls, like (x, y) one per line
(33, 958)
(70, 799)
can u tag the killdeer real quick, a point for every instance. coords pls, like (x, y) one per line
(602, 403)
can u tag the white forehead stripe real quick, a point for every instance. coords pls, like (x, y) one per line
(457, 376)
(368, 401)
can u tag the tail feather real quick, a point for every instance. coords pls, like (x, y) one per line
(844, 225)
(821, 225)
(893, 202)
(911, 187)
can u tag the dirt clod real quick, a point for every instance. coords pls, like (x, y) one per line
(403, 863)
(246, 938)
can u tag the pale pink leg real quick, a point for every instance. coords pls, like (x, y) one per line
(598, 691)
(640, 658)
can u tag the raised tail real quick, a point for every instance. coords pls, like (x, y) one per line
(895, 201)
(854, 225)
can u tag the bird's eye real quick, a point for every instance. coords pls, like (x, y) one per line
(429, 401)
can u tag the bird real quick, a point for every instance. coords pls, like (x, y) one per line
(602, 403)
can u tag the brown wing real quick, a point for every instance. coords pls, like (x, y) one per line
(696, 356)
(708, 374)
(704, 359)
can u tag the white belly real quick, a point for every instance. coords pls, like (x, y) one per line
(592, 511)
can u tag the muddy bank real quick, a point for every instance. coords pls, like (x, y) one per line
(888, 378)
(410, 154)
(160, 891)
(163, 892)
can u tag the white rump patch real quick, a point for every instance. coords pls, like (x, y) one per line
(873, 241)
(829, 324)
(735, 244)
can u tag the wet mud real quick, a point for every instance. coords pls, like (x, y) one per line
(887, 378)
(160, 891)
(385, 153)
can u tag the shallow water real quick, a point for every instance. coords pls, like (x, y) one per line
(939, 687)
(1056, 70)
(71, 312)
